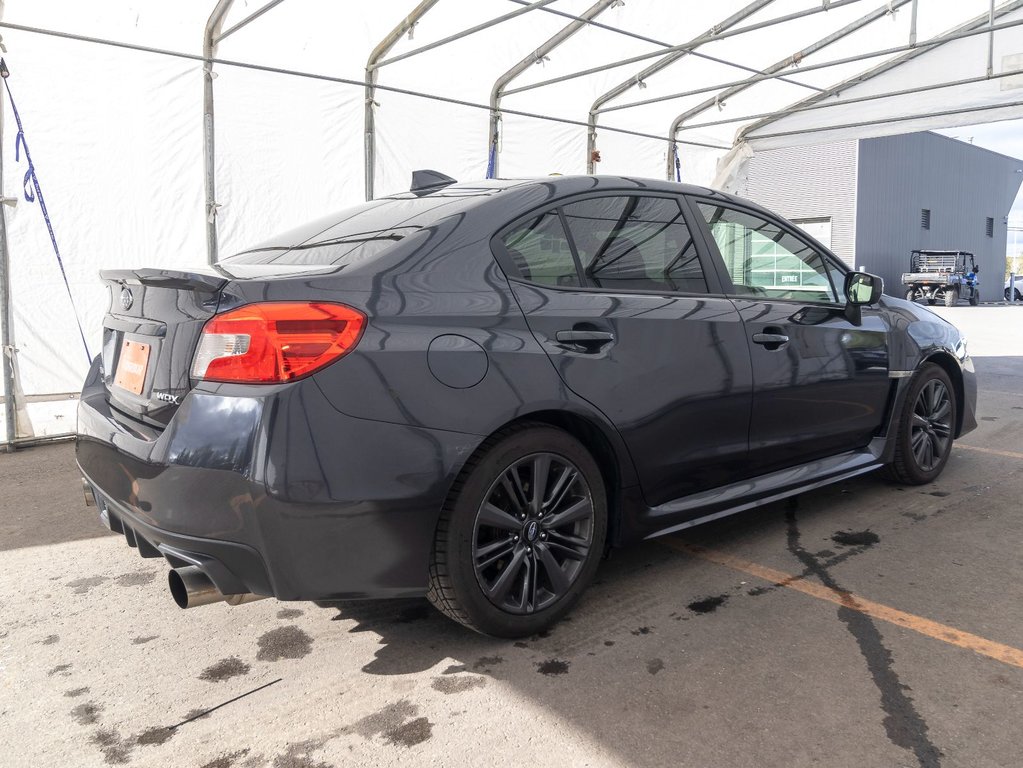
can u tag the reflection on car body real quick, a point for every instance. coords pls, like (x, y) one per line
(469, 391)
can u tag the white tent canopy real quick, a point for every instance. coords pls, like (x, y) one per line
(111, 96)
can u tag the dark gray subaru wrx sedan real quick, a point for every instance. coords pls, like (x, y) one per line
(469, 391)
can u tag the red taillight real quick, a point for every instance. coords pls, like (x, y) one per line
(275, 342)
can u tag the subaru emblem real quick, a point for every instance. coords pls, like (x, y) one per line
(532, 530)
(127, 299)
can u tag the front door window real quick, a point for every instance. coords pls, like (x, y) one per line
(763, 259)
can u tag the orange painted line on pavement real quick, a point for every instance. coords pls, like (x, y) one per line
(978, 449)
(997, 651)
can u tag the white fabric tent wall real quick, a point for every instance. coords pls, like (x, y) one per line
(117, 140)
(957, 60)
(121, 181)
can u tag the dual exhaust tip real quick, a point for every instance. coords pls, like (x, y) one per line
(190, 588)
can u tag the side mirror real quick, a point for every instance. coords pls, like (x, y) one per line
(861, 289)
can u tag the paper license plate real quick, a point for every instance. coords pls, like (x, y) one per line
(131, 366)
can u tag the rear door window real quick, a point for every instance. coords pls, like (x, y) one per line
(540, 252)
(633, 242)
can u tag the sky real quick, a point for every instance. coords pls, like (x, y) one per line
(1006, 138)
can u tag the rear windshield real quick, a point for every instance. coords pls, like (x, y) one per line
(354, 235)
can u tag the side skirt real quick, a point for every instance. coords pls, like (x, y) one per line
(727, 500)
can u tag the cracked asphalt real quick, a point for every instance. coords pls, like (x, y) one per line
(688, 651)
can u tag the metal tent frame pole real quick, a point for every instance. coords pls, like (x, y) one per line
(372, 65)
(209, 135)
(803, 68)
(794, 110)
(246, 21)
(983, 24)
(864, 21)
(6, 315)
(332, 79)
(639, 78)
(899, 119)
(464, 33)
(672, 48)
(535, 57)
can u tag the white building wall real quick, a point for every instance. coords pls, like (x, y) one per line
(811, 182)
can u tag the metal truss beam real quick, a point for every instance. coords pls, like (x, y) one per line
(672, 48)
(464, 33)
(979, 24)
(888, 8)
(247, 20)
(803, 68)
(857, 100)
(666, 61)
(899, 119)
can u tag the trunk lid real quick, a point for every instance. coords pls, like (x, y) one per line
(150, 334)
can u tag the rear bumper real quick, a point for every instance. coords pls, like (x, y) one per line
(273, 491)
(234, 568)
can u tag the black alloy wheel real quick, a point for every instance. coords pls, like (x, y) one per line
(533, 533)
(931, 425)
(925, 429)
(522, 535)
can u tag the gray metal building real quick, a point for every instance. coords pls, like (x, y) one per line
(875, 200)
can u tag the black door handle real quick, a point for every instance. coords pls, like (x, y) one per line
(585, 341)
(583, 337)
(771, 341)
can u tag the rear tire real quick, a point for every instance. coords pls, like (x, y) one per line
(910, 294)
(925, 428)
(951, 297)
(511, 558)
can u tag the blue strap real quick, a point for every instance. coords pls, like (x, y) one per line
(34, 192)
(491, 159)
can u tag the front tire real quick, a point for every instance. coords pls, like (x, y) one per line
(522, 535)
(975, 298)
(925, 428)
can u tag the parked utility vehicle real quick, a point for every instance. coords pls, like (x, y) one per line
(945, 275)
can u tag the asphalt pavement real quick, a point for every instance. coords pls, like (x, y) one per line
(863, 624)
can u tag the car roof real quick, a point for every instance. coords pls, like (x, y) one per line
(559, 186)
(559, 182)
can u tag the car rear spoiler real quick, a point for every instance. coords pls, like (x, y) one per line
(167, 278)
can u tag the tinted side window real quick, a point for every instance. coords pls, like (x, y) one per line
(540, 251)
(634, 242)
(765, 260)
